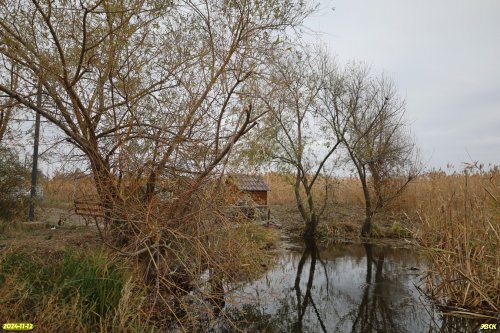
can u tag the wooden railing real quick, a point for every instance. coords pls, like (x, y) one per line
(89, 208)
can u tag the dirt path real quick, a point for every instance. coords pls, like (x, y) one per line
(55, 230)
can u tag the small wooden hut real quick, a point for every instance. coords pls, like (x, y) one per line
(250, 190)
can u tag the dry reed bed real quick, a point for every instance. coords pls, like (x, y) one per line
(340, 190)
(460, 227)
(63, 189)
(186, 259)
(456, 217)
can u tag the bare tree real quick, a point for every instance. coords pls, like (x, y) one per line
(375, 136)
(152, 96)
(7, 105)
(290, 140)
(131, 75)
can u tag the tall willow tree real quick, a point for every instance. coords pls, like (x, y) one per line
(368, 116)
(143, 87)
(151, 92)
(291, 140)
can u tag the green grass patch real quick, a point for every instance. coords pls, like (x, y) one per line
(82, 291)
(265, 237)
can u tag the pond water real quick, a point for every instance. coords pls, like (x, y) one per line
(339, 288)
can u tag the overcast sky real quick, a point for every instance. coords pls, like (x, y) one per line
(445, 59)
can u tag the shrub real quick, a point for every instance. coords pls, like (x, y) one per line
(13, 184)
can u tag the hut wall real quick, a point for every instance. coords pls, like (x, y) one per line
(234, 194)
(260, 197)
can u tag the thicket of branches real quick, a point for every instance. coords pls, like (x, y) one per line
(155, 95)
(152, 96)
(321, 115)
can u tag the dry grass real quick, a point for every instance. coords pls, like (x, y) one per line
(31, 285)
(460, 227)
(343, 214)
(340, 190)
(71, 292)
(455, 217)
(61, 189)
(183, 263)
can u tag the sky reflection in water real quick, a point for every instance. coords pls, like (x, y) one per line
(342, 288)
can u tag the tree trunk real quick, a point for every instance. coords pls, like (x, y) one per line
(109, 198)
(377, 184)
(310, 228)
(369, 261)
(366, 230)
(308, 214)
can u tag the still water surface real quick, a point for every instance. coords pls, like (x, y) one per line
(339, 288)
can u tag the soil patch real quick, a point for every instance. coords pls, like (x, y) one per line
(50, 234)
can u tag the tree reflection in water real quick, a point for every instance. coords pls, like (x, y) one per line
(252, 318)
(303, 300)
(357, 288)
(373, 313)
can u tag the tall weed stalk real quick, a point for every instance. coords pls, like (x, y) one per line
(461, 230)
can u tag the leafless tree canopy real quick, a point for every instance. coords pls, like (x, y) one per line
(153, 94)
(290, 139)
(148, 86)
(368, 116)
